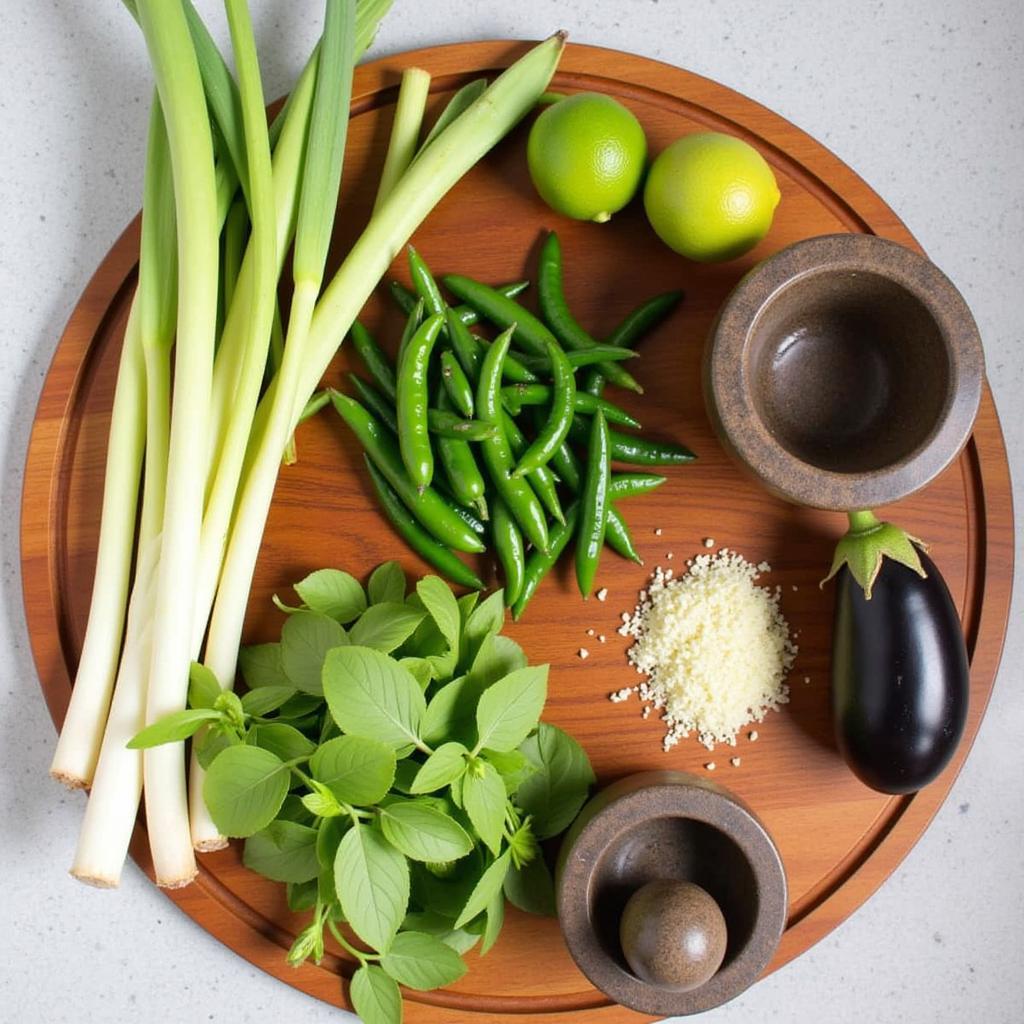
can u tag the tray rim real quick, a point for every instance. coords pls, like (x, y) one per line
(820, 171)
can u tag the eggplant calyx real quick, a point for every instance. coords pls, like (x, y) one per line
(867, 543)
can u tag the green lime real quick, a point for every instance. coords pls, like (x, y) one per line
(710, 196)
(586, 156)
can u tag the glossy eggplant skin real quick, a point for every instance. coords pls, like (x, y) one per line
(900, 677)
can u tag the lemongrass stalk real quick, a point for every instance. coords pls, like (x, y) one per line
(511, 96)
(405, 131)
(217, 517)
(179, 84)
(235, 228)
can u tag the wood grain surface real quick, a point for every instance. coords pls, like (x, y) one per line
(839, 840)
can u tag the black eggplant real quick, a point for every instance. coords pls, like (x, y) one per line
(900, 677)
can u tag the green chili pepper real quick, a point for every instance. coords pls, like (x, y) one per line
(637, 451)
(632, 329)
(464, 345)
(593, 505)
(577, 359)
(632, 485)
(541, 479)
(554, 431)
(530, 332)
(459, 464)
(513, 370)
(412, 325)
(411, 402)
(540, 562)
(374, 359)
(516, 396)
(416, 537)
(456, 383)
(425, 285)
(508, 543)
(405, 299)
(427, 505)
(556, 312)
(445, 423)
(375, 402)
(618, 538)
(314, 405)
(516, 492)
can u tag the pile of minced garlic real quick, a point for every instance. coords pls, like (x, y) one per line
(714, 646)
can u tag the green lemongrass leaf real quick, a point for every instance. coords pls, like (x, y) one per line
(283, 852)
(423, 833)
(386, 626)
(497, 657)
(440, 603)
(266, 699)
(172, 728)
(421, 961)
(370, 694)
(261, 665)
(356, 769)
(405, 131)
(513, 767)
(305, 640)
(203, 688)
(244, 789)
(495, 918)
(554, 794)
(451, 712)
(375, 996)
(531, 888)
(282, 740)
(211, 743)
(510, 708)
(372, 882)
(441, 769)
(462, 99)
(490, 883)
(483, 799)
(333, 593)
(387, 584)
(325, 147)
(321, 802)
(486, 619)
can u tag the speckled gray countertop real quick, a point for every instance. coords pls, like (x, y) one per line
(924, 98)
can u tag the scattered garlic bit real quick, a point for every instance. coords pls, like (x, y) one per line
(620, 695)
(602, 594)
(590, 632)
(734, 761)
(807, 679)
(657, 532)
(715, 648)
(647, 711)
(709, 542)
(710, 766)
(670, 556)
(601, 638)
(584, 653)
(753, 736)
(795, 587)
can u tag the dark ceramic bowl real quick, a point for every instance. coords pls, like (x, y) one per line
(669, 825)
(844, 372)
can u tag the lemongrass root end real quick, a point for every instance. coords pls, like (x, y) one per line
(96, 881)
(210, 845)
(68, 779)
(176, 883)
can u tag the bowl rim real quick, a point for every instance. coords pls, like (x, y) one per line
(737, 419)
(684, 795)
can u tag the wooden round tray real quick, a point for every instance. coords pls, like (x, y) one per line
(838, 839)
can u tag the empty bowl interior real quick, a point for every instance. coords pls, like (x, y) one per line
(848, 370)
(678, 848)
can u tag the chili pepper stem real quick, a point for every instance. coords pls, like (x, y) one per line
(867, 543)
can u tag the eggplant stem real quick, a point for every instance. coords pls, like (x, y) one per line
(867, 543)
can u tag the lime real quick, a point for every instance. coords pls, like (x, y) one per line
(586, 156)
(710, 196)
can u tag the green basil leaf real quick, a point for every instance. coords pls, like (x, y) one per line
(370, 694)
(482, 895)
(244, 789)
(285, 741)
(513, 767)
(431, 923)
(288, 609)
(487, 618)
(509, 709)
(420, 669)
(405, 772)
(483, 798)
(329, 835)
(495, 918)
(261, 665)
(375, 996)
(283, 852)
(385, 626)
(333, 593)
(441, 769)
(440, 603)
(497, 657)
(554, 794)
(322, 803)
(387, 584)
(305, 640)
(203, 688)
(466, 605)
(423, 833)
(447, 895)
(211, 743)
(301, 895)
(293, 810)
(451, 713)
(372, 881)
(421, 961)
(531, 888)
(173, 728)
(266, 699)
(356, 769)
(300, 706)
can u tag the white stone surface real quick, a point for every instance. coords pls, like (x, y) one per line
(924, 98)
